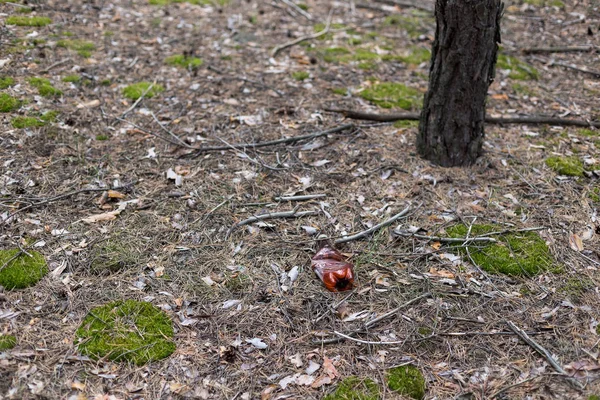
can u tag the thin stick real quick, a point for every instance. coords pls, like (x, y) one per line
(174, 136)
(445, 239)
(273, 142)
(491, 120)
(374, 228)
(340, 334)
(56, 64)
(567, 49)
(301, 39)
(149, 132)
(138, 100)
(298, 9)
(284, 214)
(300, 198)
(543, 352)
(374, 321)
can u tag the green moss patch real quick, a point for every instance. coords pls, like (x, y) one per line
(6, 81)
(545, 3)
(355, 388)
(81, 47)
(519, 70)
(44, 87)
(300, 75)
(569, 166)
(115, 253)
(71, 79)
(407, 380)
(391, 94)
(8, 103)
(588, 132)
(340, 91)
(187, 62)
(136, 90)
(576, 287)
(21, 20)
(133, 331)
(195, 2)
(406, 124)
(414, 56)
(516, 254)
(34, 122)
(7, 342)
(20, 270)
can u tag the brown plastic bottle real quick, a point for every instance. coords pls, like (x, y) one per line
(331, 267)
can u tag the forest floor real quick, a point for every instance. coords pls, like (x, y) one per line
(243, 328)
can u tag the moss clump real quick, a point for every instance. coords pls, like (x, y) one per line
(8, 103)
(407, 380)
(300, 75)
(115, 253)
(519, 70)
(594, 194)
(340, 91)
(6, 81)
(20, 269)
(44, 87)
(406, 124)
(136, 90)
(71, 79)
(516, 254)
(545, 3)
(83, 48)
(391, 94)
(320, 27)
(134, 331)
(21, 20)
(101, 137)
(335, 54)
(355, 388)
(26, 122)
(593, 397)
(576, 287)
(7, 342)
(570, 166)
(588, 132)
(187, 62)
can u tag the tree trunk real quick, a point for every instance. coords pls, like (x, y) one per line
(463, 61)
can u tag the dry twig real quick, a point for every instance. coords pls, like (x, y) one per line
(284, 214)
(374, 228)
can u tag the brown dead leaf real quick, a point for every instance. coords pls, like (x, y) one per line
(502, 96)
(78, 385)
(113, 194)
(575, 242)
(436, 245)
(441, 273)
(343, 310)
(329, 368)
(109, 216)
(320, 381)
(266, 393)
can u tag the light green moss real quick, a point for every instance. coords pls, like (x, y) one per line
(136, 90)
(519, 70)
(594, 194)
(7, 342)
(187, 62)
(72, 79)
(101, 137)
(6, 81)
(8, 103)
(20, 269)
(115, 253)
(391, 94)
(414, 56)
(594, 396)
(300, 75)
(49, 116)
(335, 54)
(516, 254)
(576, 287)
(21, 20)
(26, 122)
(44, 87)
(570, 166)
(340, 91)
(355, 388)
(24, 10)
(328, 36)
(133, 331)
(588, 132)
(523, 90)
(406, 124)
(408, 381)
(367, 65)
(545, 3)
(81, 47)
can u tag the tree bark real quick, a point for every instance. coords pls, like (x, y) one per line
(463, 61)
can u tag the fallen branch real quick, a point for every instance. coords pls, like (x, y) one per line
(284, 214)
(300, 198)
(344, 336)
(374, 228)
(374, 321)
(299, 10)
(543, 352)
(567, 49)
(365, 116)
(482, 238)
(292, 139)
(301, 39)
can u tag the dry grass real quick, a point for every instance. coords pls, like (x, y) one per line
(456, 337)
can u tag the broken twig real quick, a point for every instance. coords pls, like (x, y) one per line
(374, 228)
(284, 214)
(300, 198)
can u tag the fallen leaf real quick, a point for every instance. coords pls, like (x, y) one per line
(113, 194)
(329, 368)
(231, 303)
(575, 242)
(312, 367)
(320, 381)
(296, 360)
(258, 343)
